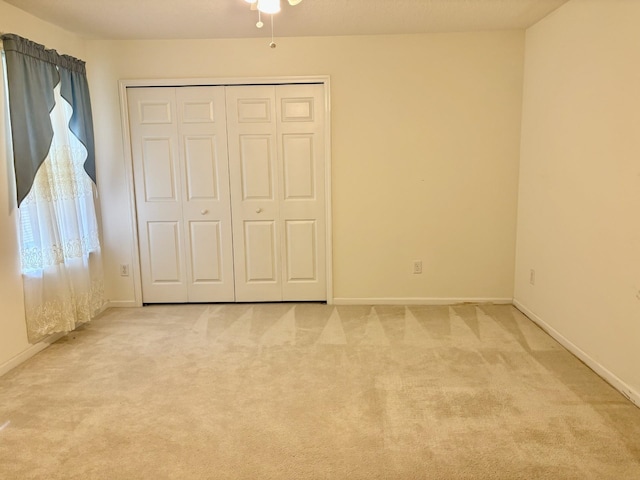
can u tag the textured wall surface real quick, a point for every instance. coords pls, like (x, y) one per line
(578, 221)
(425, 145)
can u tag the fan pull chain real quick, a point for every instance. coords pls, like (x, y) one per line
(272, 44)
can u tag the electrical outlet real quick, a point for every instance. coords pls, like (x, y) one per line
(124, 270)
(417, 267)
(532, 276)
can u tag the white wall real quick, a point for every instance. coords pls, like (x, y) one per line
(579, 204)
(14, 346)
(425, 132)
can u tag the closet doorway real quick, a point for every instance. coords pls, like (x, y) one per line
(231, 190)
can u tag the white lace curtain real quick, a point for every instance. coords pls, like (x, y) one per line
(59, 238)
(61, 262)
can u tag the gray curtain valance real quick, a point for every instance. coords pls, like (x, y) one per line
(32, 74)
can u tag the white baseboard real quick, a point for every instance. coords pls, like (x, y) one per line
(418, 301)
(29, 352)
(599, 369)
(122, 304)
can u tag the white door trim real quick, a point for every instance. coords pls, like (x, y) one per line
(181, 82)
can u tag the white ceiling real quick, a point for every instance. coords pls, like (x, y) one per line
(157, 19)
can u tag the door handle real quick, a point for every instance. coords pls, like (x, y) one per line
(258, 210)
(204, 212)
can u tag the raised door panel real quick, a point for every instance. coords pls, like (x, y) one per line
(206, 203)
(256, 167)
(205, 243)
(298, 106)
(257, 107)
(302, 251)
(164, 250)
(158, 170)
(197, 110)
(201, 168)
(154, 111)
(260, 252)
(299, 167)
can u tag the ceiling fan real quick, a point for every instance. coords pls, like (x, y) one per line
(269, 7)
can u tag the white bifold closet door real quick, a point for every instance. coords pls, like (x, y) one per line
(230, 192)
(181, 178)
(276, 163)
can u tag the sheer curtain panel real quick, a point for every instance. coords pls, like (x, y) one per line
(54, 162)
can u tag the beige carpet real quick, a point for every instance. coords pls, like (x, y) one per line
(309, 391)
